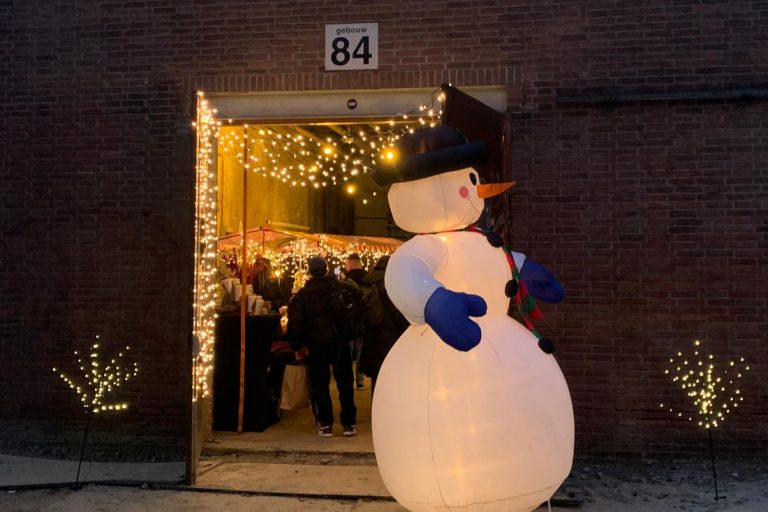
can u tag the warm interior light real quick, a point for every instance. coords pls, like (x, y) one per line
(389, 155)
(295, 155)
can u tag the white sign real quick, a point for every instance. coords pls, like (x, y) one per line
(352, 46)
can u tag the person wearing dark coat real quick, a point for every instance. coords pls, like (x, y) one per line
(310, 324)
(384, 322)
(353, 269)
(267, 285)
(354, 273)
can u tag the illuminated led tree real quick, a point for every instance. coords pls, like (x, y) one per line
(712, 391)
(99, 380)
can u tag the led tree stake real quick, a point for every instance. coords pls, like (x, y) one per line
(99, 380)
(712, 392)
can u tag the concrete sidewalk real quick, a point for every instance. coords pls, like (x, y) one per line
(607, 486)
(121, 499)
(28, 471)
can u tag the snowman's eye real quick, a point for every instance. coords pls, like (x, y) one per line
(473, 178)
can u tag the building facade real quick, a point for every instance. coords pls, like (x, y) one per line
(638, 137)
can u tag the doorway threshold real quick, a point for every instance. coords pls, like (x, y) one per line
(296, 433)
(282, 442)
(290, 459)
(305, 480)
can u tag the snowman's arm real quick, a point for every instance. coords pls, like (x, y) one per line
(540, 281)
(410, 276)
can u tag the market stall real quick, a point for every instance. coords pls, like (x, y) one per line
(288, 251)
(275, 269)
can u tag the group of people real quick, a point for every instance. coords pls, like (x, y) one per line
(313, 327)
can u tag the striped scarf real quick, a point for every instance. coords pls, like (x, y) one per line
(525, 309)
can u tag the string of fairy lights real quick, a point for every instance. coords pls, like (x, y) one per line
(712, 391)
(294, 155)
(297, 157)
(207, 127)
(100, 379)
(290, 259)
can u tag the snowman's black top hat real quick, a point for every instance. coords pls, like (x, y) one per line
(430, 151)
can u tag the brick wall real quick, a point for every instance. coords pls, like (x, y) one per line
(652, 213)
(655, 220)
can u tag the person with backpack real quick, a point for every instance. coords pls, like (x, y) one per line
(316, 321)
(384, 323)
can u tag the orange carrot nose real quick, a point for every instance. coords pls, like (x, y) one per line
(493, 189)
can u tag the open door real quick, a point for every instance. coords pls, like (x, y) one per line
(480, 122)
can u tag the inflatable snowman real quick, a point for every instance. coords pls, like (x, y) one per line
(471, 411)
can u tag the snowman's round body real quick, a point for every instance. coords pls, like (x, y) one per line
(490, 429)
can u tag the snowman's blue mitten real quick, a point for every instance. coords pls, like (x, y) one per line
(448, 314)
(541, 283)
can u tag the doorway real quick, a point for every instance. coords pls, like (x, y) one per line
(276, 183)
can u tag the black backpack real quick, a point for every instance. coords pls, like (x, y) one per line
(347, 310)
(373, 305)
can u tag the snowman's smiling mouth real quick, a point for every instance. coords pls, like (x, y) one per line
(472, 205)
